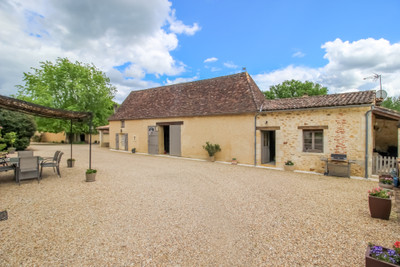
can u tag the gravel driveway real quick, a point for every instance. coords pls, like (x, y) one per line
(160, 211)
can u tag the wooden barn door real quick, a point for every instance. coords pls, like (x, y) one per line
(152, 140)
(175, 140)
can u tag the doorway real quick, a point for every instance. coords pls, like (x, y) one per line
(268, 147)
(166, 139)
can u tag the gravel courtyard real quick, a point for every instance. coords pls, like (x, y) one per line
(160, 211)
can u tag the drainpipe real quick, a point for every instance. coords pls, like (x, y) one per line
(255, 135)
(366, 140)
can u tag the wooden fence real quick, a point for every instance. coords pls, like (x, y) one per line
(381, 164)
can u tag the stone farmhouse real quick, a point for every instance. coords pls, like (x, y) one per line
(231, 111)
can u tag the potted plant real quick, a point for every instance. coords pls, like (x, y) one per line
(234, 161)
(133, 150)
(386, 181)
(381, 256)
(380, 203)
(211, 150)
(10, 138)
(289, 166)
(91, 175)
(70, 163)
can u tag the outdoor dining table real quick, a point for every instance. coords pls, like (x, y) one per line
(15, 160)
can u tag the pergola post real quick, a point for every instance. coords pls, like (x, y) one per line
(70, 139)
(90, 142)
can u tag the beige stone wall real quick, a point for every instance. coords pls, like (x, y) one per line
(52, 137)
(234, 133)
(345, 135)
(104, 138)
(95, 138)
(385, 132)
(60, 137)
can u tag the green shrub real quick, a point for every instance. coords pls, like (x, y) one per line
(89, 171)
(23, 125)
(212, 148)
(3, 146)
(10, 138)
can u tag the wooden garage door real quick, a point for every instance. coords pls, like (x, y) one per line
(175, 140)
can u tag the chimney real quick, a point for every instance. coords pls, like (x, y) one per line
(115, 108)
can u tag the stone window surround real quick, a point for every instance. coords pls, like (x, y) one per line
(313, 129)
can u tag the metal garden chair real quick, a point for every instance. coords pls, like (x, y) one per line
(54, 163)
(26, 153)
(27, 168)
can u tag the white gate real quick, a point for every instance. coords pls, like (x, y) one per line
(382, 164)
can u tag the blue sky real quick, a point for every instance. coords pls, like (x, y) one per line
(265, 35)
(143, 44)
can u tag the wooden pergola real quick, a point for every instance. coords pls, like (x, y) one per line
(13, 104)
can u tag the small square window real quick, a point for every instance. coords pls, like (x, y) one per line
(313, 141)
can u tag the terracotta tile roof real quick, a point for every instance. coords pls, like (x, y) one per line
(386, 112)
(346, 99)
(230, 94)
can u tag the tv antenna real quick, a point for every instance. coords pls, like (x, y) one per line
(380, 93)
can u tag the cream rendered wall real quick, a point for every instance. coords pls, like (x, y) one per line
(345, 135)
(52, 137)
(234, 133)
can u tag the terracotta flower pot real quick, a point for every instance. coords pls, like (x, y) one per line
(380, 207)
(212, 158)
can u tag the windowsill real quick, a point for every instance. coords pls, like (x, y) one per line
(313, 153)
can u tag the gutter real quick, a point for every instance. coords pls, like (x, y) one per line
(316, 108)
(366, 140)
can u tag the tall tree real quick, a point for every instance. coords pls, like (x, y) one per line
(294, 88)
(70, 86)
(392, 103)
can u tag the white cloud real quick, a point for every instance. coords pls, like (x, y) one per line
(298, 54)
(211, 59)
(348, 63)
(182, 80)
(230, 65)
(105, 33)
(265, 80)
(215, 69)
(177, 26)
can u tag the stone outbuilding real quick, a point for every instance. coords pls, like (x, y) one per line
(231, 111)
